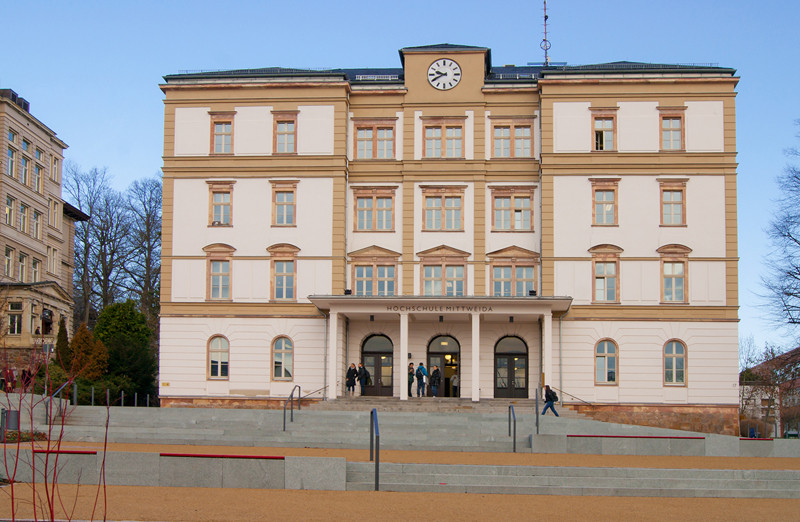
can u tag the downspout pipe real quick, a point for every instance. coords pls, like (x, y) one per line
(560, 360)
(325, 370)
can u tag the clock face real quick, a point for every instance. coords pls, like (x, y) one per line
(444, 74)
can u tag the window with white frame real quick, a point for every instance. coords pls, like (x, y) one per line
(282, 359)
(37, 224)
(605, 360)
(22, 268)
(512, 138)
(15, 318)
(9, 213)
(374, 209)
(443, 137)
(512, 209)
(285, 132)
(24, 210)
(443, 208)
(675, 363)
(218, 357)
(222, 132)
(673, 201)
(604, 201)
(8, 267)
(35, 270)
(284, 203)
(674, 273)
(374, 139)
(220, 196)
(11, 162)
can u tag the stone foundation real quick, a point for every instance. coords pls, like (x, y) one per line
(255, 403)
(709, 418)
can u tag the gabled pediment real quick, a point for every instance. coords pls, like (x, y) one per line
(513, 252)
(443, 251)
(218, 248)
(374, 251)
(50, 289)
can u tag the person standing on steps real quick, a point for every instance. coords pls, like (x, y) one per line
(454, 383)
(436, 378)
(421, 374)
(363, 376)
(410, 378)
(550, 397)
(350, 379)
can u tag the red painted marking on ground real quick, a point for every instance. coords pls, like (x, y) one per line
(67, 452)
(636, 437)
(754, 438)
(214, 456)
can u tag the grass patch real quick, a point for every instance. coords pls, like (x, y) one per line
(24, 436)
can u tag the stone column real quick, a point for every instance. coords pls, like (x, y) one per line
(403, 357)
(333, 345)
(547, 350)
(476, 351)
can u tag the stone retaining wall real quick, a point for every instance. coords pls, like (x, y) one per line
(719, 419)
(260, 403)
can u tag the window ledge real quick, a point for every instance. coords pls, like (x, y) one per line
(282, 379)
(374, 231)
(386, 160)
(284, 154)
(220, 154)
(442, 159)
(606, 384)
(605, 302)
(674, 303)
(613, 225)
(512, 231)
(221, 226)
(283, 226)
(430, 230)
(674, 385)
(212, 300)
(217, 378)
(684, 225)
(606, 151)
(670, 151)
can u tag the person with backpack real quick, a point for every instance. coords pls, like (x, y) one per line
(363, 376)
(410, 378)
(436, 379)
(422, 375)
(550, 397)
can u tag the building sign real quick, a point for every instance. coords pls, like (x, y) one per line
(437, 308)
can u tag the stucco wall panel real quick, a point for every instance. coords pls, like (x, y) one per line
(638, 127)
(252, 131)
(192, 131)
(704, 126)
(315, 129)
(571, 127)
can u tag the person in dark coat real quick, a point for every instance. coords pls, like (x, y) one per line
(350, 379)
(550, 398)
(363, 376)
(421, 375)
(436, 379)
(410, 378)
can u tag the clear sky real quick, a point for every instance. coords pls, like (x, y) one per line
(91, 69)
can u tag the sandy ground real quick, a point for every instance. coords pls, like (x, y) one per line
(205, 504)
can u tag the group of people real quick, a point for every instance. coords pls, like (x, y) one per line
(354, 374)
(423, 380)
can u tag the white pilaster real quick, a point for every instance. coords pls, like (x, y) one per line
(476, 352)
(333, 345)
(403, 363)
(547, 350)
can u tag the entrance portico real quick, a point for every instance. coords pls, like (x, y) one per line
(410, 323)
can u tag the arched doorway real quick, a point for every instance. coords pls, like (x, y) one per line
(444, 352)
(376, 355)
(511, 368)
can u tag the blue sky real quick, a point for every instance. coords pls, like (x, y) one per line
(91, 69)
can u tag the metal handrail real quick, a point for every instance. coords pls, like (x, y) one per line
(573, 396)
(375, 435)
(291, 398)
(313, 392)
(512, 413)
(49, 400)
(537, 413)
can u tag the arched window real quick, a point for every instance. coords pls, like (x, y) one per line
(377, 343)
(218, 354)
(675, 363)
(511, 344)
(282, 358)
(443, 344)
(605, 362)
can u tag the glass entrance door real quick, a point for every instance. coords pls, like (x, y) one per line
(448, 367)
(511, 376)
(379, 367)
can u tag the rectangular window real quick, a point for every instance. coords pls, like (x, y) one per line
(364, 280)
(375, 142)
(15, 318)
(285, 136)
(12, 136)
(25, 169)
(385, 279)
(365, 143)
(9, 262)
(284, 280)
(23, 218)
(512, 212)
(674, 282)
(502, 281)
(605, 281)
(673, 202)
(671, 133)
(37, 224)
(221, 208)
(432, 280)
(9, 216)
(12, 161)
(375, 213)
(26, 145)
(37, 178)
(52, 260)
(454, 280)
(55, 171)
(512, 141)
(374, 279)
(603, 133)
(223, 137)
(35, 270)
(220, 279)
(39, 155)
(22, 268)
(54, 219)
(444, 141)
(284, 208)
(605, 206)
(443, 280)
(512, 281)
(443, 213)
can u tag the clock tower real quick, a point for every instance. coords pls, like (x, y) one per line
(445, 72)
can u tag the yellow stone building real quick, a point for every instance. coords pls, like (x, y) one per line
(515, 226)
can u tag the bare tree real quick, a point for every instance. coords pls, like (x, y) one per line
(144, 240)
(783, 263)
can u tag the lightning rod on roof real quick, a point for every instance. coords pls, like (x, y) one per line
(545, 45)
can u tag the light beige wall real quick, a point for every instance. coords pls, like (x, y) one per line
(638, 127)
(192, 131)
(704, 126)
(252, 131)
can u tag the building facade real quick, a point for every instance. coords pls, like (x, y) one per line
(37, 233)
(515, 226)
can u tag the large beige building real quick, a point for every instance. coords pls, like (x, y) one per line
(37, 233)
(516, 226)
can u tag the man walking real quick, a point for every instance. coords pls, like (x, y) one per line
(422, 374)
(549, 398)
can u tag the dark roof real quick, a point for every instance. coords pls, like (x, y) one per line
(627, 67)
(74, 213)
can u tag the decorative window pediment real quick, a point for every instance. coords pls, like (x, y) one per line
(606, 249)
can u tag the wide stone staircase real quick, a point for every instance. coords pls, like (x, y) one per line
(552, 480)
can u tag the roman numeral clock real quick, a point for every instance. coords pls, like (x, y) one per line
(444, 74)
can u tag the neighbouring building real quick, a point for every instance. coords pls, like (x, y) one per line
(37, 233)
(769, 395)
(514, 225)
